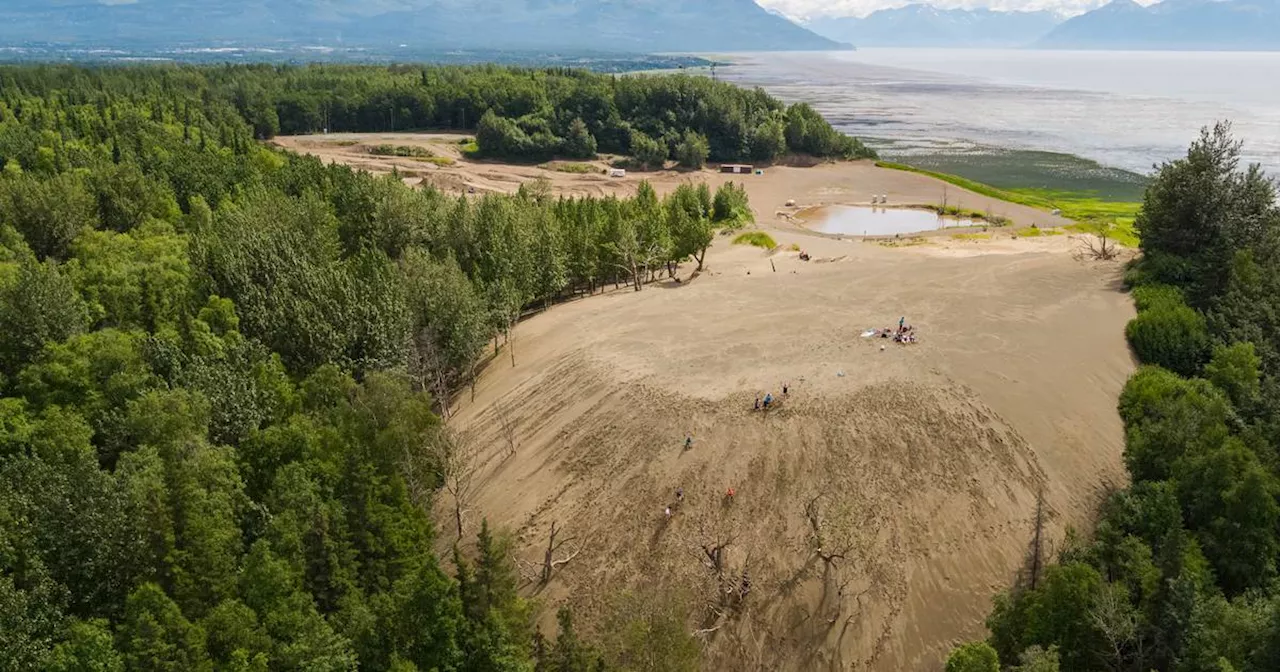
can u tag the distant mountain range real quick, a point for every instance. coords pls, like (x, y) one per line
(622, 25)
(1172, 24)
(612, 25)
(921, 25)
(1122, 24)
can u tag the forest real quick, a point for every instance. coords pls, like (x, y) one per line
(1180, 571)
(223, 369)
(517, 113)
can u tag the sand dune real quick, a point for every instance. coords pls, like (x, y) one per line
(920, 464)
(926, 459)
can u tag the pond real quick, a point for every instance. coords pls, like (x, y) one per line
(852, 220)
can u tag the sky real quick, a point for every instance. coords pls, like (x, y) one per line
(812, 8)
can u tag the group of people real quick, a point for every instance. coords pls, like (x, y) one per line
(768, 400)
(905, 333)
(762, 403)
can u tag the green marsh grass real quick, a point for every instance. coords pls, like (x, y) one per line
(1091, 213)
(756, 238)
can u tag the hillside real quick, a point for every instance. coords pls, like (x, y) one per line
(1173, 24)
(922, 464)
(616, 25)
(922, 25)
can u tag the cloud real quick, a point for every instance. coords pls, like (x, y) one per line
(814, 8)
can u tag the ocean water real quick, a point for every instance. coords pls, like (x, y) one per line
(1126, 110)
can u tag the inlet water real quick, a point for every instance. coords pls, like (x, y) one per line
(852, 220)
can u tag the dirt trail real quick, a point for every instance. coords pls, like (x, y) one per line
(920, 464)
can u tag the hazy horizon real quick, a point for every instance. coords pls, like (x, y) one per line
(801, 10)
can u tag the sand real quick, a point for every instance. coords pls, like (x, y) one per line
(921, 464)
(845, 183)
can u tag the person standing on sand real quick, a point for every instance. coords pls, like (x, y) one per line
(901, 321)
(768, 399)
(680, 495)
(757, 403)
(688, 442)
(784, 389)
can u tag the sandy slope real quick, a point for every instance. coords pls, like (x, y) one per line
(925, 460)
(928, 457)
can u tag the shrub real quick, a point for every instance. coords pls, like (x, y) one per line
(1234, 370)
(499, 136)
(1158, 296)
(1174, 337)
(577, 168)
(399, 150)
(648, 153)
(973, 657)
(1157, 267)
(692, 150)
(1165, 417)
(730, 208)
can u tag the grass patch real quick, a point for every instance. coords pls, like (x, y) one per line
(966, 213)
(903, 242)
(344, 143)
(971, 236)
(1014, 169)
(575, 168)
(756, 238)
(1080, 206)
(1120, 230)
(1074, 205)
(1036, 232)
(469, 148)
(405, 151)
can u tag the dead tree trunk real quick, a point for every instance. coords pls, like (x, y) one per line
(1037, 543)
(549, 563)
(457, 460)
(813, 514)
(507, 427)
(715, 555)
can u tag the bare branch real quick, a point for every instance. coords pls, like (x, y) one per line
(565, 561)
(549, 563)
(455, 455)
(506, 426)
(706, 631)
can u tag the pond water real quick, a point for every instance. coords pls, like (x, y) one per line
(852, 220)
